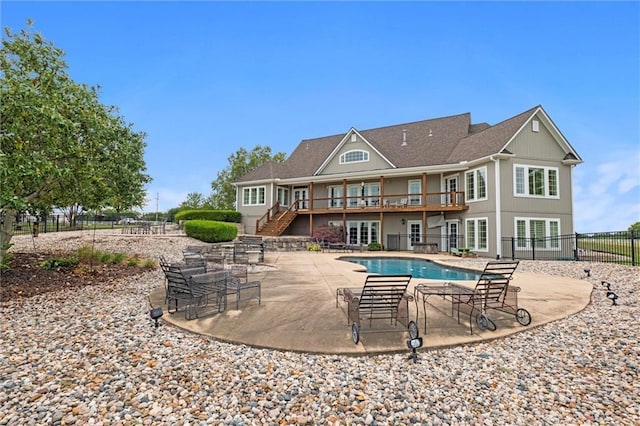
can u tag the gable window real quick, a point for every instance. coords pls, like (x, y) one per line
(535, 126)
(253, 196)
(355, 156)
(535, 181)
(477, 234)
(541, 232)
(476, 184)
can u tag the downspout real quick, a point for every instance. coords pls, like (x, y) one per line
(496, 175)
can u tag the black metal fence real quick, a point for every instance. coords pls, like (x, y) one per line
(58, 223)
(607, 247)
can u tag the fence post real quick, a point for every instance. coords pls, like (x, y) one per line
(533, 248)
(513, 248)
(576, 250)
(633, 249)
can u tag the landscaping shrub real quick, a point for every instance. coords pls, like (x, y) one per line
(211, 215)
(374, 247)
(329, 234)
(210, 231)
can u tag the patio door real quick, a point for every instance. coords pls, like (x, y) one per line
(414, 233)
(283, 196)
(301, 193)
(451, 186)
(452, 234)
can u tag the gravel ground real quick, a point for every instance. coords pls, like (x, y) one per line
(91, 357)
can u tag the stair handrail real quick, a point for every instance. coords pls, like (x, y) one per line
(264, 219)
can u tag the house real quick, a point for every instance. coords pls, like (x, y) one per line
(445, 181)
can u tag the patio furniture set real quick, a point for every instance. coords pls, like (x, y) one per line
(385, 297)
(201, 284)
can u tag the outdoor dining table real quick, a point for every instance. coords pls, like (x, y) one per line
(447, 289)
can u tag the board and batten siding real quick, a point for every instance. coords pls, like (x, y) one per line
(535, 149)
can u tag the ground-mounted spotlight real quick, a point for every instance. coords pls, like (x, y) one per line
(606, 284)
(587, 271)
(156, 314)
(415, 341)
(613, 297)
(414, 344)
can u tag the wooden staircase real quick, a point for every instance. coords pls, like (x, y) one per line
(277, 224)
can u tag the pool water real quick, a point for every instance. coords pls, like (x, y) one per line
(418, 268)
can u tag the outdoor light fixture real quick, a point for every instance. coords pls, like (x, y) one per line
(156, 314)
(403, 221)
(415, 341)
(612, 296)
(607, 284)
(587, 271)
(414, 344)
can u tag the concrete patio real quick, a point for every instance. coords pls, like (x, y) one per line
(298, 310)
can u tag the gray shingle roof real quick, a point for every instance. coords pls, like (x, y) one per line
(440, 141)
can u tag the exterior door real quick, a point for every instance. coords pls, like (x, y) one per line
(451, 186)
(452, 234)
(301, 193)
(414, 233)
(283, 196)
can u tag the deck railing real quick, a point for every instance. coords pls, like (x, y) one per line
(438, 201)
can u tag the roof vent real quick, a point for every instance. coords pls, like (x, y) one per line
(404, 137)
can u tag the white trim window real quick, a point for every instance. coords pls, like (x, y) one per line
(535, 181)
(476, 184)
(336, 196)
(477, 234)
(354, 156)
(253, 196)
(415, 191)
(363, 232)
(543, 231)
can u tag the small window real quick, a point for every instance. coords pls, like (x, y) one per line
(356, 156)
(535, 126)
(354, 138)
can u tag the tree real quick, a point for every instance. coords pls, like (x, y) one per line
(59, 146)
(240, 163)
(635, 228)
(194, 200)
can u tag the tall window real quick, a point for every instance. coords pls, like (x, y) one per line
(253, 196)
(336, 194)
(415, 191)
(355, 156)
(535, 181)
(477, 234)
(542, 232)
(476, 184)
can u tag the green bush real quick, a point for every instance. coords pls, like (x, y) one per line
(211, 215)
(374, 247)
(210, 231)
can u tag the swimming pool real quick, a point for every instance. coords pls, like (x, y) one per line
(419, 268)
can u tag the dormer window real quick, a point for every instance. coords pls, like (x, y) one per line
(355, 156)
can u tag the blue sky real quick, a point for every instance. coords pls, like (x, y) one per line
(203, 79)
